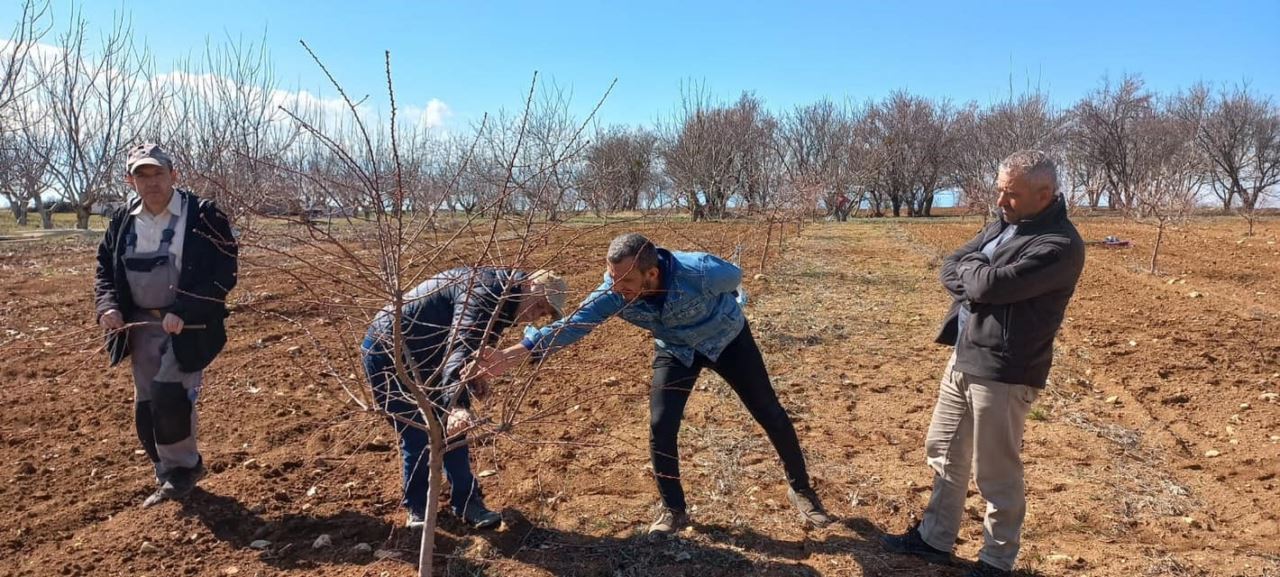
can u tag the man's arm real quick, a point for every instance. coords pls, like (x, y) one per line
(601, 304)
(468, 332)
(104, 283)
(950, 280)
(1052, 264)
(208, 299)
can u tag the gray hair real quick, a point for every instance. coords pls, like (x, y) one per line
(1036, 164)
(633, 245)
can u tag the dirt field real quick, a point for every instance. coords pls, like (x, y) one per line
(1154, 450)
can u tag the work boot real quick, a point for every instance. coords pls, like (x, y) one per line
(911, 543)
(668, 522)
(184, 481)
(810, 508)
(161, 495)
(477, 516)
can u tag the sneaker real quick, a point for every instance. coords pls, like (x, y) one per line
(910, 543)
(810, 508)
(982, 569)
(668, 522)
(416, 520)
(477, 516)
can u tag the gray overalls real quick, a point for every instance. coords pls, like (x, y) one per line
(164, 395)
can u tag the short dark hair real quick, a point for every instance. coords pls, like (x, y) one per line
(633, 245)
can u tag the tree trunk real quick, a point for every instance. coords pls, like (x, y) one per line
(435, 482)
(82, 217)
(1155, 252)
(46, 215)
(928, 205)
(19, 212)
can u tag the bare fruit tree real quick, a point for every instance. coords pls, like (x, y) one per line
(98, 102)
(1238, 133)
(21, 179)
(1107, 125)
(1173, 172)
(985, 136)
(620, 172)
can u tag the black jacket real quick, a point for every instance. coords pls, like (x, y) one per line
(446, 320)
(1016, 301)
(208, 273)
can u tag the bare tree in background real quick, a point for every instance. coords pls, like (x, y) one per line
(619, 170)
(19, 76)
(985, 136)
(1239, 135)
(1173, 171)
(98, 103)
(1107, 130)
(24, 174)
(933, 155)
(812, 143)
(712, 154)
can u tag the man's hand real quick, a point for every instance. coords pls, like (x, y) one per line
(111, 320)
(172, 323)
(459, 420)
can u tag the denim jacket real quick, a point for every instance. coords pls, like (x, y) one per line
(701, 312)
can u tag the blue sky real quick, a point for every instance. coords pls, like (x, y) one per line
(479, 56)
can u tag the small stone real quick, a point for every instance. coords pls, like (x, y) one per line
(294, 350)
(362, 548)
(611, 381)
(386, 554)
(260, 544)
(683, 556)
(1275, 438)
(251, 464)
(1268, 397)
(312, 491)
(1191, 522)
(761, 278)
(322, 542)
(232, 570)
(148, 548)
(487, 473)
(1133, 343)
(1244, 406)
(1194, 295)
(1112, 400)
(25, 468)
(1211, 453)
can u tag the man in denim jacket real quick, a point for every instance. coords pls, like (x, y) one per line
(690, 302)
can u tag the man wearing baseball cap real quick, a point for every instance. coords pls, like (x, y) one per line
(442, 323)
(165, 266)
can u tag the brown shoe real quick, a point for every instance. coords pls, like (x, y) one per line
(810, 508)
(668, 522)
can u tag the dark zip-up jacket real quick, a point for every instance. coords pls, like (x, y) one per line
(209, 264)
(1016, 299)
(445, 321)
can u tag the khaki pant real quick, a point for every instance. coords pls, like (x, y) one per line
(977, 424)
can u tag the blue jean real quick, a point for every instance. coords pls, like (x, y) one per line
(415, 445)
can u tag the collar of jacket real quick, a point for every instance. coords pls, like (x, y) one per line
(1049, 217)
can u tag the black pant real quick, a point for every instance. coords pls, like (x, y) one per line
(742, 366)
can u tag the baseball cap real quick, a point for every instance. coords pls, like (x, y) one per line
(148, 153)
